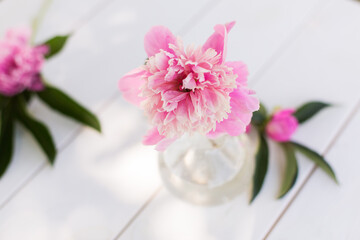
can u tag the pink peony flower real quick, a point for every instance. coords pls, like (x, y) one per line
(20, 63)
(190, 90)
(282, 125)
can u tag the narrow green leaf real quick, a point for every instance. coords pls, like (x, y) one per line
(291, 170)
(4, 101)
(27, 95)
(6, 137)
(62, 103)
(39, 131)
(308, 110)
(259, 117)
(261, 166)
(316, 158)
(55, 45)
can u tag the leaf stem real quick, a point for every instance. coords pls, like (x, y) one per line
(39, 18)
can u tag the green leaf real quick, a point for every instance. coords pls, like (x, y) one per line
(55, 45)
(259, 117)
(3, 101)
(291, 170)
(27, 95)
(261, 166)
(316, 158)
(6, 137)
(62, 103)
(308, 110)
(39, 131)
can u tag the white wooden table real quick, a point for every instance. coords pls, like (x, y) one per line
(107, 186)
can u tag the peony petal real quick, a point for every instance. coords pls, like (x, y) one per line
(165, 143)
(243, 104)
(173, 96)
(161, 61)
(153, 137)
(189, 82)
(218, 40)
(159, 37)
(130, 85)
(240, 69)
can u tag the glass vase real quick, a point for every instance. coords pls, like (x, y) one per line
(207, 171)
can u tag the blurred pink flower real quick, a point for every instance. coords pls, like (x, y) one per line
(282, 125)
(190, 90)
(20, 63)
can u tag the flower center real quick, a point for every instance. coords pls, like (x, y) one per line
(182, 89)
(186, 81)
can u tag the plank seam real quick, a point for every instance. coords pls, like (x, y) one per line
(141, 209)
(41, 167)
(290, 39)
(191, 23)
(95, 11)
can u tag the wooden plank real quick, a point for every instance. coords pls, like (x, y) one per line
(262, 28)
(90, 194)
(59, 17)
(89, 68)
(67, 16)
(325, 53)
(109, 190)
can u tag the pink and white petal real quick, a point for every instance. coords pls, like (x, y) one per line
(218, 40)
(164, 144)
(161, 61)
(231, 126)
(174, 96)
(243, 100)
(159, 37)
(130, 85)
(152, 137)
(243, 104)
(240, 69)
(189, 82)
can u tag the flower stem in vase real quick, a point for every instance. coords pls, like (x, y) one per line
(207, 171)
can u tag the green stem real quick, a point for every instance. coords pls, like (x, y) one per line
(39, 18)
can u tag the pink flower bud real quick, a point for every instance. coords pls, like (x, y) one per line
(282, 125)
